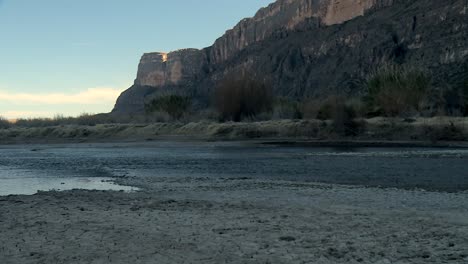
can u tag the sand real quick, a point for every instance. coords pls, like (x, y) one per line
(207, 220)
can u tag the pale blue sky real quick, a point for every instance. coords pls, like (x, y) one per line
(74, 56)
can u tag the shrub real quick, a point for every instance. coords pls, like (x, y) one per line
(204, 115)
(445, 132)
(4, 123)
(325, 109)
(339, 110)
(465, 97)
(309, 109)
(344, 117)
(242, 97)
(395, 90)
(318, 109)
(39, 122)
(60, 120)
(454, 102)
(174, 105)
(92, 120)
(285, 108)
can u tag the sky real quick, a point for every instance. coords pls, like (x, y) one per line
(76, 56)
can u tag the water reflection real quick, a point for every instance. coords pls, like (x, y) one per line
(30, 186)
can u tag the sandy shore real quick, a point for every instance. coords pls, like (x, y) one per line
(206, 220)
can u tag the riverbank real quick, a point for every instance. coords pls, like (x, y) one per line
(428, 131)
(236, 202)
(235, 220)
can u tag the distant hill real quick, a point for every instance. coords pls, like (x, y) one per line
(314, 48)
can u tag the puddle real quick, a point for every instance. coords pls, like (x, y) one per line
(30, 186)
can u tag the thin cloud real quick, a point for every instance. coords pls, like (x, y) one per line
(92, 96)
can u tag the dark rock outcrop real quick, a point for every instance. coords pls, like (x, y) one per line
(314, 48)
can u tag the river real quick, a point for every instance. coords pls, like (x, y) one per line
(26, 169)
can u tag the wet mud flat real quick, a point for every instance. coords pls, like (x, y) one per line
(235, 220)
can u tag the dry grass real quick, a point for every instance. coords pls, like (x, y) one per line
(377, 129)
(421, 129)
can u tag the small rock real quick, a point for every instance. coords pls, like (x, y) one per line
(287, 238)
(135, 208)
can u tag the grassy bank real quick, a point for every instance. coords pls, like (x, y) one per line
(377, 129)
(395, 103)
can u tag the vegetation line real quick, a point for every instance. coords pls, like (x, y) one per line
(404, 99)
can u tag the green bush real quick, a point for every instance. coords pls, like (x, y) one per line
(174, 105)
(396, 91)
(242, 97)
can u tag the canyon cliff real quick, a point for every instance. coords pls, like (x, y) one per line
(312, 48)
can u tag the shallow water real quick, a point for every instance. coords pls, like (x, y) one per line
(34, 184)
(26, 169)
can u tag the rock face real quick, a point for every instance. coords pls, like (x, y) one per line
(162, 72)
(288, 14)
(161, 69)
(315, 47)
